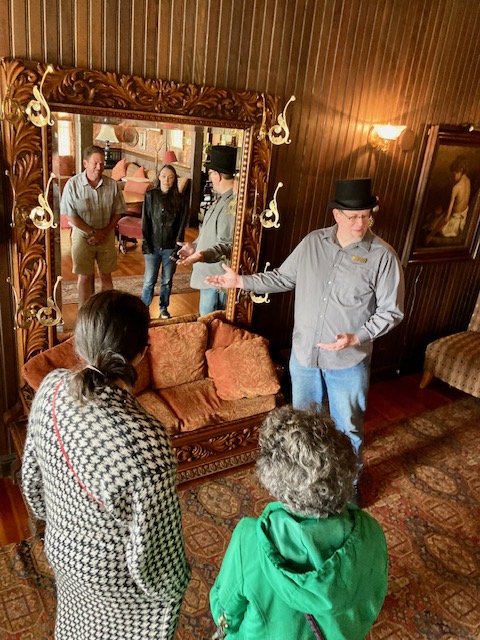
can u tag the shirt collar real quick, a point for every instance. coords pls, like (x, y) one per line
(85, 181)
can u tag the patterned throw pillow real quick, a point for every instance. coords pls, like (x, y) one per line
(140, 172)
(177, 354)
(222, 334)
(242, 370)
(62, 356)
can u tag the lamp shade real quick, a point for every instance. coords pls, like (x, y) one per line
(169, 157)
(107, 134)
(389, 131)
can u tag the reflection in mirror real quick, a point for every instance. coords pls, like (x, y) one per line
(135, 152)
(27, 157)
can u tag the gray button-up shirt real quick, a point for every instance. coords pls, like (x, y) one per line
(355, 289)
(94, 205)
(217, 229)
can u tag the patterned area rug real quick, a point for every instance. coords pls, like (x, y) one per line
(130, 284)
(422, 482)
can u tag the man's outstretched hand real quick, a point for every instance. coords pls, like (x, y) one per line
(229, 280)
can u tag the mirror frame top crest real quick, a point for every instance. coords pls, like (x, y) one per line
(27, 159)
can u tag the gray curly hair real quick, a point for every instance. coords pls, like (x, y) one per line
(305, 462)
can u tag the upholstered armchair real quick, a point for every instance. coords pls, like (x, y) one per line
(455, 359)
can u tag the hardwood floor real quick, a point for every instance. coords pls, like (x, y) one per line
(388, 402)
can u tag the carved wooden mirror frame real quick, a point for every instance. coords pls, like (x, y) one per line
(27, 159)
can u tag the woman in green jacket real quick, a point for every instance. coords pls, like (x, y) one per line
(309, 553)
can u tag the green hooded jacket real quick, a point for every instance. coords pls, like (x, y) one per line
(283, 565)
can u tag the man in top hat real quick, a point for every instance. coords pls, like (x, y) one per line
(217, 229)
(349, 290)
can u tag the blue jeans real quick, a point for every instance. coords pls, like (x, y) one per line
(212, 300)
(152, 269)
(346, 390)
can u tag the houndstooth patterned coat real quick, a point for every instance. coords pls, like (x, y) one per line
(120, 569)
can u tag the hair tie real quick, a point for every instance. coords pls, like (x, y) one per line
(90, 366)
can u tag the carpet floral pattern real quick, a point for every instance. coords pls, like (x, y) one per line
(421, 481)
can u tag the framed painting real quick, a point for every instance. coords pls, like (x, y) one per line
(445, 223)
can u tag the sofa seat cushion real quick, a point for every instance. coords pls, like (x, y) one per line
(177, 354)
(154, 405)
(197, 405)
(244, 369)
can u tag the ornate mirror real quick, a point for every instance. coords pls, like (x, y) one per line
(41, 92)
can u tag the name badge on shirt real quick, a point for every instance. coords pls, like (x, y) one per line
(358, 259)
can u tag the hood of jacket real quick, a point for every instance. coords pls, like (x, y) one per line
(324, 566)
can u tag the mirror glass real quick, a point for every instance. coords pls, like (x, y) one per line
(134, 147)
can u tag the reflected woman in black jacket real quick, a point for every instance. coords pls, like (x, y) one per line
(163, 224)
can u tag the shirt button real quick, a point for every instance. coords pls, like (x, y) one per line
(329, 282)
(324, 299)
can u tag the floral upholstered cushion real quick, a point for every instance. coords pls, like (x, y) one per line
(177, 354)
(154, 405)
(222, 334)
(242, 370)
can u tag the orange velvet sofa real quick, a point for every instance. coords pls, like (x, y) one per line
(210, 383)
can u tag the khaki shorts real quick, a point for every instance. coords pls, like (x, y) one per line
(85, 255)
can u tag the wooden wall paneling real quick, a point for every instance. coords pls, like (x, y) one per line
(208, 26)
(97, 45)
(19, 32)
(165, 33)
(124, 43)
(81, 17)
(50, 19)
(66, 35)
(138, 21)
(151, 38)
(36, 41)
(177, 44)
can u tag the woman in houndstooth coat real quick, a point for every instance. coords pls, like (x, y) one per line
(102, 474)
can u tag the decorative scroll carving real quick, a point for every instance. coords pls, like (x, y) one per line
(27, 158)
(217, 444)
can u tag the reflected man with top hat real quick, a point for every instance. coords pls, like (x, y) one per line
(349, 290)
(217, 229)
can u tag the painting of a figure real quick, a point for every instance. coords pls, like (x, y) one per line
(446, 214)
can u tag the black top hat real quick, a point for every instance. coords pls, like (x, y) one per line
(354, 195)
(222, 159)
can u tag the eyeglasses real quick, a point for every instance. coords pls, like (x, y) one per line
(352, 219)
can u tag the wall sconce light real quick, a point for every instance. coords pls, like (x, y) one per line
(380, 135)
(107, 134)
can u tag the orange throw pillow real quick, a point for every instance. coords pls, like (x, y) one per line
(177, 354)
(62, 356)
(119, 171)
(140, 172)
(242, 370)
(222, 334)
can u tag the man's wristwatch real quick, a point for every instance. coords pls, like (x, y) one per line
(92, 233)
